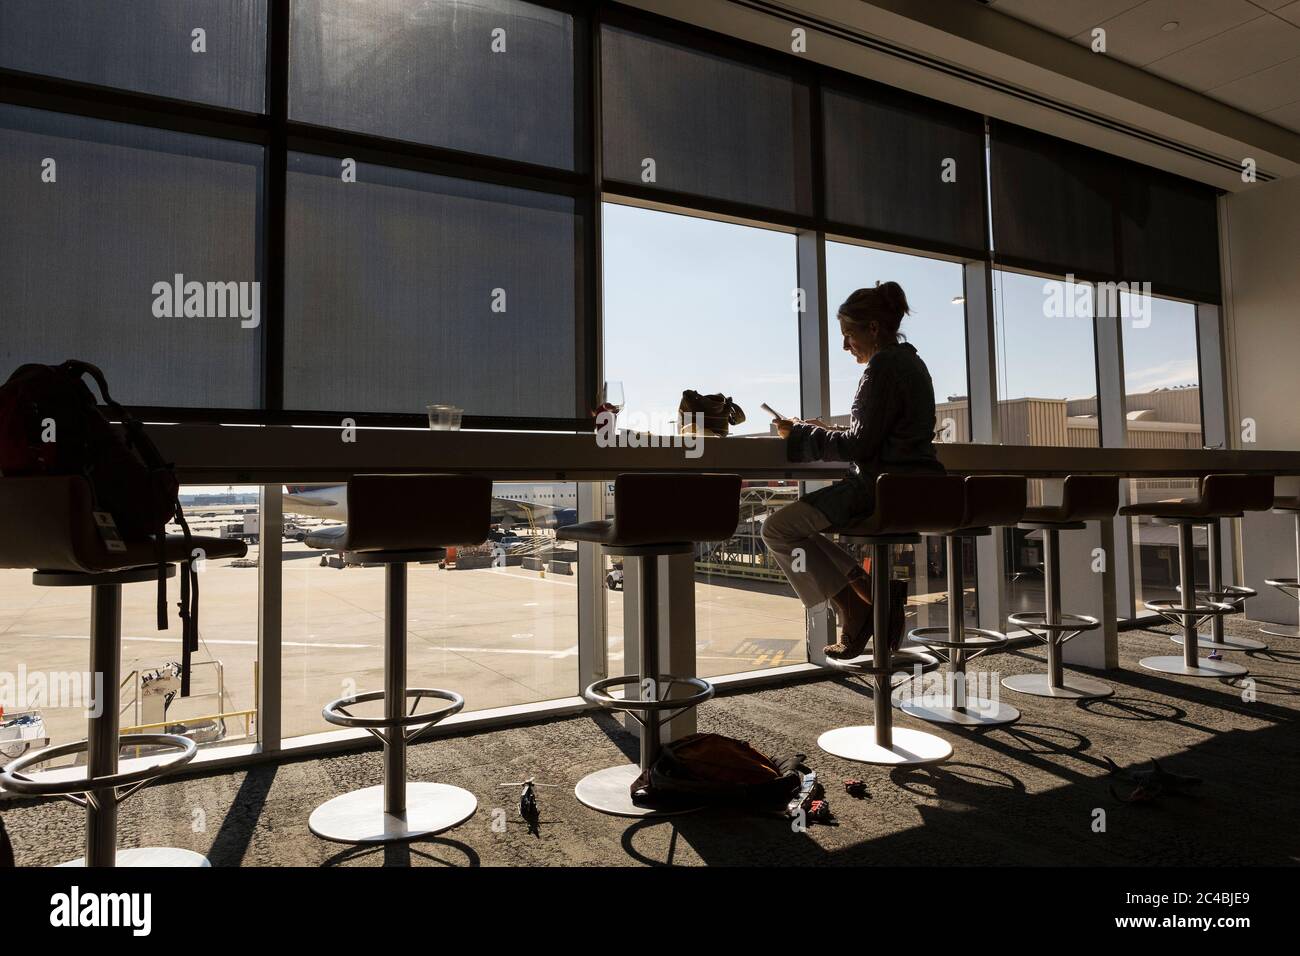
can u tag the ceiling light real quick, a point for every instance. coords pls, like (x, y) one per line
(1170, 27)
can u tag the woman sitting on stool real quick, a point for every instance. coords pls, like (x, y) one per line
(891, 429)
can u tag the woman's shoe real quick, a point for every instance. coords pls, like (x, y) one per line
(849, 646)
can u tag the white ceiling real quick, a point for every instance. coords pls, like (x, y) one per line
(1245, 53)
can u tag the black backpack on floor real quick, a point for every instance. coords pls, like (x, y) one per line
(50, 424)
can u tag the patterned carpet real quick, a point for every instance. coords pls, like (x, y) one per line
(1033, 793)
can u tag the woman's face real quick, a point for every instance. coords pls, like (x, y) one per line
(861, 341)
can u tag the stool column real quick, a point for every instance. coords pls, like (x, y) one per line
(395, 688)
(1187, 588)
(1052, 605)
(880, 682)
(1216, 577)
(102, 735)
(648, 597)
(956, 621)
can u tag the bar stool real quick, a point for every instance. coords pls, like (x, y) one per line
(1249, 493)
(1221, 496)
(1288, 586)
(50, 525)
(907, 505)
(990, 501)
(654, 515)
(1084, 498)
(394, 520)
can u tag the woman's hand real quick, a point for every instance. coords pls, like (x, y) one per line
(783, 426)
(820, 424)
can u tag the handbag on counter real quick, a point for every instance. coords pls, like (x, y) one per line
(719, 414)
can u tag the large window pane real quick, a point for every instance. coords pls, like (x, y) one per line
(45, 647)
(1046, 361)
(698, 304)
(1162, 398)
(692, 122)
(148, 46)
(403, 289)
(495, 622)
(135, 249)
(937, 327)
(1047, 395)
(484, 76)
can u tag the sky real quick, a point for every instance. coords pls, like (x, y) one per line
(693, 303)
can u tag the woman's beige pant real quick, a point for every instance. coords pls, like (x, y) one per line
(815, 566)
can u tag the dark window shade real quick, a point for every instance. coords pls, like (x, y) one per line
(144, 46)
(426, 72)
(389, 287)
(884, 165)
(1052, 203)
(713, 126)
(1169, 233)
(130, 207)
(1066, 208)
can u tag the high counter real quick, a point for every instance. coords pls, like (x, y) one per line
(236, 454)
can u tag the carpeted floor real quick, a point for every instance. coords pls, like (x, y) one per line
(1033, 793)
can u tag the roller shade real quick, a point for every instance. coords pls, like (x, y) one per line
(906, 168)
(687, 121)
(1061, 207)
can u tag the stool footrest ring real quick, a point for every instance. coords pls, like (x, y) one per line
(939, 636)
(335, 711)
(597, 693)
(1172, 607)
(14, 780)
(899, 661)
(1030, 620)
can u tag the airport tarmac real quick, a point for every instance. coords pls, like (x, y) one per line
(498, 636)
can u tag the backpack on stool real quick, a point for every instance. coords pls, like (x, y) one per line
(50, 424)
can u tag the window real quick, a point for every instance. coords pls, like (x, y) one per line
(692, 122)
(495, 622)
(937, 326)
(698, 304)
(147, 46)
(108, 231)
(1047, 395)
(404, 289)
(45, 647)
(1162, 398)
(1047, 369)
(489, 76)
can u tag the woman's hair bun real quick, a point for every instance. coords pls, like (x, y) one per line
(894, 298)
(886, 303)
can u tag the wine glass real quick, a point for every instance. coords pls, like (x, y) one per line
(611, 396)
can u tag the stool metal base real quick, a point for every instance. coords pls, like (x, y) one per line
(1227, 644)
(1076, 687)
(910, 747)
(359, 817)
(978, 712)
(165, 856)
(1174, 664)
(610, 791)
(1280, 630)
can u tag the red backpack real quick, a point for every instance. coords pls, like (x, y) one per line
(50, 424)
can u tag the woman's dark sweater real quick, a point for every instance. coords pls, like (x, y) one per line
(891, 427)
